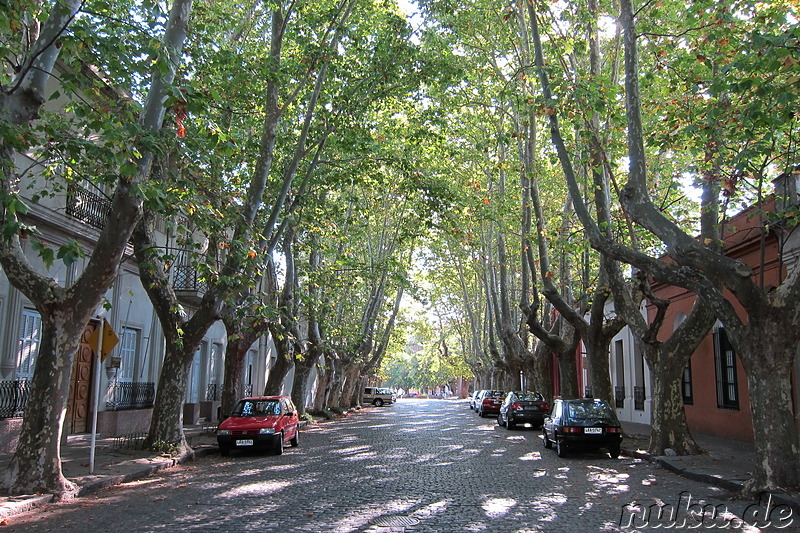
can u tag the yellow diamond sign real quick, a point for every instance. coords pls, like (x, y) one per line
(110, 339)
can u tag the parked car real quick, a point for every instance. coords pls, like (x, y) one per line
(263, 422)
(583, 424)
(489, 402)
(378, 396)
(473, 399)
(520, 407)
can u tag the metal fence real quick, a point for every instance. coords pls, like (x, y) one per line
(124, 395)
(186, 279)
(88, 206)
(13, 398)
(638, 398)
(212, 392)
(619, 397)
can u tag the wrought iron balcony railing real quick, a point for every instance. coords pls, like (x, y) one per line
(88, 206)
(185, 278)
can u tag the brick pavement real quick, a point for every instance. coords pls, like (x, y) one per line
(421, 465)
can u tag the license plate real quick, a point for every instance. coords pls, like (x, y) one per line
(593, 431)
(248, 442)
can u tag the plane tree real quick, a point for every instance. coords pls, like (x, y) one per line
(122, 151)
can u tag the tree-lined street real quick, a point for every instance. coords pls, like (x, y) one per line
(426, 465)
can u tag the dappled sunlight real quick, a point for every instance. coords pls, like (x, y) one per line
(255, 489)
(608, 480)
(362, 456)
(516, 438)
(497, 507)
(281, 468)
(432, 509)
(141, 482)
(539, 473)
(562, 473)
(379, 426)
(367, 514)
(531, 456)
(352, 450)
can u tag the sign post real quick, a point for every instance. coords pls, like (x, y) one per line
(102, 341)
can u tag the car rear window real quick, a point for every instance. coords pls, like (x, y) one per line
(590, 410)
(535, 396)
(257, 408)
(496, 393)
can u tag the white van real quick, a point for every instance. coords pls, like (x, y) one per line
(378, 396)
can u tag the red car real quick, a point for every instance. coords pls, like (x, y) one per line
(489, 401)
(264, 422)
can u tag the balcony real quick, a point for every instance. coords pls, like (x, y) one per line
(88, 206)
(187, 285)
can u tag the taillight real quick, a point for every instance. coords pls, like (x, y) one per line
(569, 429)
(516, 406)
(613, 430)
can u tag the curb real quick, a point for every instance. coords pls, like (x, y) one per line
(716, 481)
(24, 504)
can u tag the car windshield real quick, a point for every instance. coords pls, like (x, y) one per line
(591, 411)
(534, 396)
(257, 408)
(384, 391)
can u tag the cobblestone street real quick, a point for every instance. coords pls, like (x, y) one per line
(417, 466)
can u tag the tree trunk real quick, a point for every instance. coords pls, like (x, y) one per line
(302, 371)
(668, 427)
(349, 392)
(166, 425)
(323, 392)
(36, 464)
(277, 375)
(597, 356)
(235, 355)
(768, 357)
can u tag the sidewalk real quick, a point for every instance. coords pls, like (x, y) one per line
(115, 462)
(728, 463)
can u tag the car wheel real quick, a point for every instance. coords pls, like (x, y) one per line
(295, 441)
(481, 413)
(561, 449)
(279, 445)
(378, 402)
(614, 451)
(510, 424)
(547, 442)
(224, 451)
(500, 421)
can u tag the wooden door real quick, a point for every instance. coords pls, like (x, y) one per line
(80, 386)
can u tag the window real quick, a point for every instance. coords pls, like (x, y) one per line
(128, 348)
(725, 362)
(193, 385)
(30, 336)
(686, 385)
